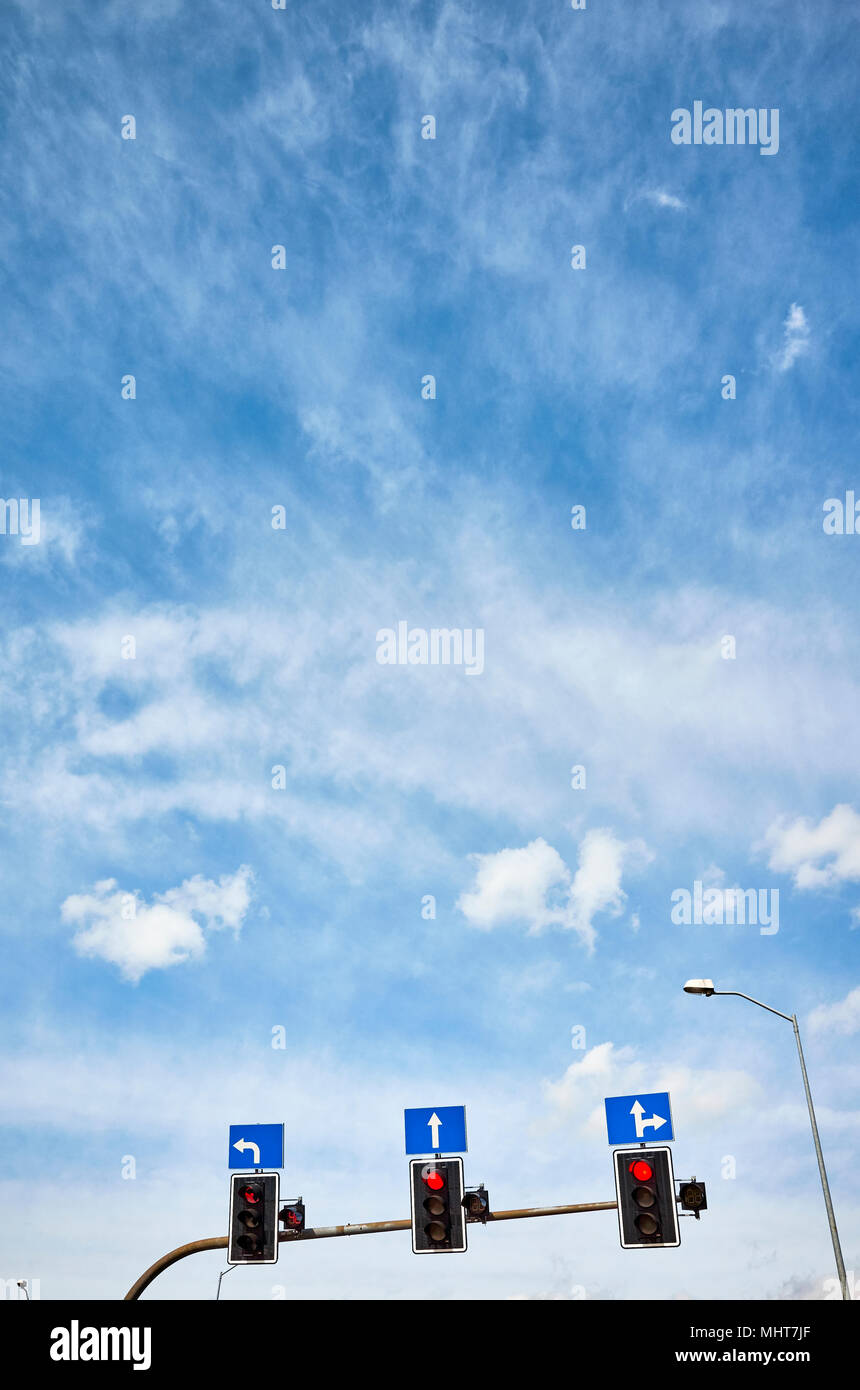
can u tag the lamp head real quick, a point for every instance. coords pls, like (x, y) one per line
(699, 987)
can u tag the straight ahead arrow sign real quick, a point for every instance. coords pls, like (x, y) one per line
(431, 1128)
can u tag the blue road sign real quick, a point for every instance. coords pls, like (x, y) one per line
(256, 1146)
(439, 1131)
(640, 1118)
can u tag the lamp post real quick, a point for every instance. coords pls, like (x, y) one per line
(706, 987)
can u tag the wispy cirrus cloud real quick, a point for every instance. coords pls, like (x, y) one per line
(220, 694)
(658, 198)
(796, 338)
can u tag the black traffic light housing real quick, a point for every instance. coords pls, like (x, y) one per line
(292, 1214)
(476, 1204)
(693, 1197)
(253, 1232)
(436, 1195)
(645, 1191)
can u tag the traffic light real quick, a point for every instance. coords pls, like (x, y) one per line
(253, 1233)
(438, 1218)
(476, 1204)
(692, 1197)
(292, 1214)
(645, 1190)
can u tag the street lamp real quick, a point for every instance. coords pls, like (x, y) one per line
(706, 987)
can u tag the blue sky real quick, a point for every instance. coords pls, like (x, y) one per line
(148, 780)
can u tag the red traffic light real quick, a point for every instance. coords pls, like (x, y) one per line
(253, 1232)
(645, 1193)
(437, 1216)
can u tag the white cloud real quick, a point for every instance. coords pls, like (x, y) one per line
(661, 199)
(120, 928)
(713, 875)
(512, 886)
(702, 1094)
(665, 200)
(799, 847)
(534, 885)
(597, 884)
(795, 342)
(842, 1017)
(222, 904)
(181, 721)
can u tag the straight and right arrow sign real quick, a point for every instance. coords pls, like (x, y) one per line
(637, 1110)
(639, 1118)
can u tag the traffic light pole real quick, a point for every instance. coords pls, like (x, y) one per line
(825, 1186)
(831, 1217)
(366, 1228)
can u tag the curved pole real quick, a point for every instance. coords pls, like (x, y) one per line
(736, 994)
(366, 1228)
(192, 1248)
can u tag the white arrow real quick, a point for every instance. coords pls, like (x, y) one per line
(435, 1125)
(637, 1111)
(243, 1144)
